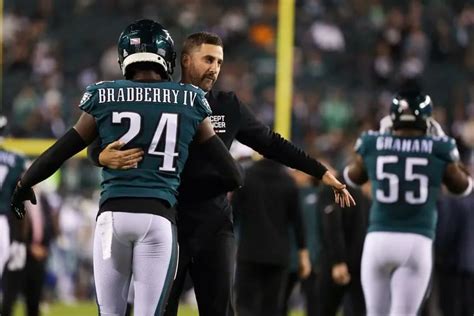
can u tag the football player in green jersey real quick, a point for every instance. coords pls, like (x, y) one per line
(406, 168)
(12, 165)
(135, 230)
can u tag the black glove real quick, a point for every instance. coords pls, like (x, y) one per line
(20, 195)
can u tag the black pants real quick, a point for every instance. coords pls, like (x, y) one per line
(28, 281)
(333, 295)
(212, 271)
(456, 293)
(309, 288)
(260, 289)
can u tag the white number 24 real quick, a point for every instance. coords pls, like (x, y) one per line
(394, 182)
(167, 128)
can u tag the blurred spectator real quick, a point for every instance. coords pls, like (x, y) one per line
(265, 208)
(52, 113)
(308, 287)
(343, 233)
(454, 264)
(29, 279)
(336, 111)
(23, 106)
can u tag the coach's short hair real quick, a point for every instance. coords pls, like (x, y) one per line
(197, 39)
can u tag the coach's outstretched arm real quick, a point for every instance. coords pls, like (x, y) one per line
(51, 160)
(273, 146)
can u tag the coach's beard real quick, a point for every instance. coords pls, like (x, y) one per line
(207, 82)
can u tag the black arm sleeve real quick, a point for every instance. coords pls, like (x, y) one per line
(332, 227)
(230, 175)
(93, 152)
(271, 145)
(50, 161)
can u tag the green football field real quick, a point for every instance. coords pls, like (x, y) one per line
(89, 308)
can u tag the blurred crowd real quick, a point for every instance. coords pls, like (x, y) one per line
(350, 56)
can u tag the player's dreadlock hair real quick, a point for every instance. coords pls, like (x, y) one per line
(197, 39)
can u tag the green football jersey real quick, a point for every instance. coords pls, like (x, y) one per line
(406, 175)
(12, 166)
(159, 117)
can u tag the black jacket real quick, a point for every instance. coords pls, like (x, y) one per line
(343, 229)
(454, 242)
(265, 208)
(232, 120)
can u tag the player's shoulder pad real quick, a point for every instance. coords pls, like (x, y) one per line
(102, 84)
(443, 138)
(91, 92)
(201, 97)
(446, 148)
(365, 139)
(92, 89)
(369, 135)
(193, 88)
(443, 141)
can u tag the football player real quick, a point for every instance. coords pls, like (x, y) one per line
(12, 165)
(406, 168)
(135, 228)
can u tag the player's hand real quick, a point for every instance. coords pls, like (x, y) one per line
(304, 264)
(434, 128)
(20, 195)
(340, 273)
(341, 195)
(114, 158)
(386, 124)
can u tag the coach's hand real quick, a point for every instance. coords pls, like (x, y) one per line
(20, 195)
(114, 158)
(342, 196)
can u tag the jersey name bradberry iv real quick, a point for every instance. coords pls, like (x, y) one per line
(406, 175)
(159, 117)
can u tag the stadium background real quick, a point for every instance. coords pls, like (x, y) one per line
(349, 58)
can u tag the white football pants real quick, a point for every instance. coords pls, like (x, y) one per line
(142, 244)
(396, 270)
(4, 242)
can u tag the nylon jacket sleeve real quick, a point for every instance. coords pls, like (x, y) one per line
(271, 145)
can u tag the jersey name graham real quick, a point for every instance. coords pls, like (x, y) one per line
(406, 175)
(146, 94)
(404, 145)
